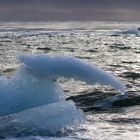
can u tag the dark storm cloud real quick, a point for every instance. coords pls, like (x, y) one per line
(70, 10)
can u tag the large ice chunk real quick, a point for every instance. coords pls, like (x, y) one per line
(26, 90)
(51, 120)
(70, 67)
(35, 81)
(131, 30)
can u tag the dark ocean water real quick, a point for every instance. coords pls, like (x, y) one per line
(101, 43)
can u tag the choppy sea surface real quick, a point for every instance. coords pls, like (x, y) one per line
(112, 46)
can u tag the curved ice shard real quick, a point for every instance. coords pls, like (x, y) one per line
(70, 67)
(34, 83)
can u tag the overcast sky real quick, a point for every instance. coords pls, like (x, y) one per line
(60, 10)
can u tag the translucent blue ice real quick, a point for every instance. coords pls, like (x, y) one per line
(34, 103)
(52, 119)
(131, 30)
(26, 90)
(69, 67)
(34, 83)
